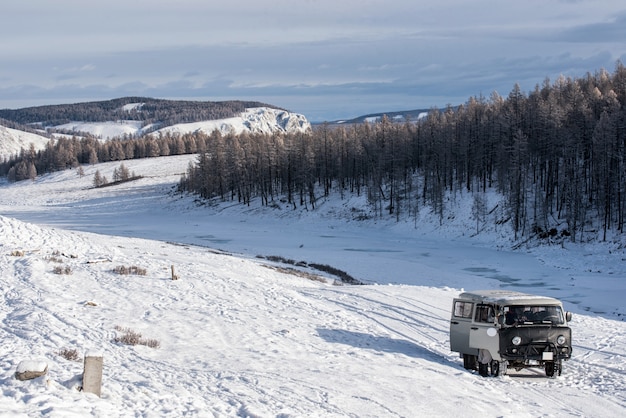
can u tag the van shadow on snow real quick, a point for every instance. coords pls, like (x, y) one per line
(380, 343)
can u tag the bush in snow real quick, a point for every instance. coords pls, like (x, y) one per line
(139, 271)
(67, 270)
(70, 354)
(130, 337)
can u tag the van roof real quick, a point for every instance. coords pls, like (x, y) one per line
(503, 297)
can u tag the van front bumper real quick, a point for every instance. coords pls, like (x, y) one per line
(536, 344)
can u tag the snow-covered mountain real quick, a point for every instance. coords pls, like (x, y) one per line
(262, 120)
(254, 120)
(13, 140)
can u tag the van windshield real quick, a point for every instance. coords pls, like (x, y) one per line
(534, 314)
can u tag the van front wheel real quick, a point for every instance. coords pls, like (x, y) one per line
(498, 368)
(550, 368)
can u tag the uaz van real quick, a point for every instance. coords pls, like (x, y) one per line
(501, 329)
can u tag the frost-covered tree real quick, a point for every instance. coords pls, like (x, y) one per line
(99, 180)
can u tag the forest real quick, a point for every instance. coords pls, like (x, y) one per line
(556, 154)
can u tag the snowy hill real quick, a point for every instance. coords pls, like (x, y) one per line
(262, 120)
(241, 336)
(254, 120)
(13, 140)
(104, 130)
(395, 116)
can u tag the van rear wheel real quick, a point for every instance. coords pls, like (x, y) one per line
(469, 361)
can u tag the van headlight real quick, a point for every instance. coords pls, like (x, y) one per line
(560, 340)
(517, 340)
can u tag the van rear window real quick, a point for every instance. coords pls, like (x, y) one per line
(463, 309)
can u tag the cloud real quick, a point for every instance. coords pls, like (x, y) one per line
(611, 30)
(358, 55)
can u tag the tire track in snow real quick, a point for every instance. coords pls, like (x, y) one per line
(421, 325)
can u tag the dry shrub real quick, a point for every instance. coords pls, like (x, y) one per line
(139, 271)
(67, 270)
(57, 253)
(130, 337)
(298, 273)
(151, 342)
(70, 354)
(55, 257)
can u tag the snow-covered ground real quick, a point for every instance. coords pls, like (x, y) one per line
(238, 338)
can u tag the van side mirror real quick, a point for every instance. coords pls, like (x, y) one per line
(568, 316)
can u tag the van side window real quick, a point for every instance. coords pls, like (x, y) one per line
(484, 313)
(463, 309)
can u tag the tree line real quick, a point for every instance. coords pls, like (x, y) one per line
(556, 154)
(25, 128)
(70, 152)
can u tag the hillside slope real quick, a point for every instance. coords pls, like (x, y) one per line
(13, 140)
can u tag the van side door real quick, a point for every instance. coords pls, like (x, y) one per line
(460, 324)
(483, 332)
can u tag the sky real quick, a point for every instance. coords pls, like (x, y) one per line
(325, 59)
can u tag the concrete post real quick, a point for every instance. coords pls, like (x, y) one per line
(92, 374)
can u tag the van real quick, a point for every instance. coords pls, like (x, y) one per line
(495, 330)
